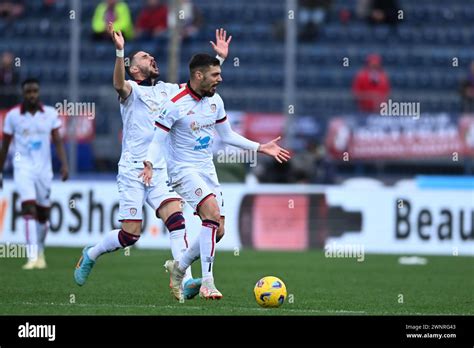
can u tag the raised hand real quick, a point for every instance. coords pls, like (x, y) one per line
(221, 46)
(116, 36)
(273, 149)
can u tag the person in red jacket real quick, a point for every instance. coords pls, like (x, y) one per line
(371, 85)
(153, 19)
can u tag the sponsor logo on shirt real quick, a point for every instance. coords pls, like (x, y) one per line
(35, 145)
(213, 107)
(196, 127)
(203, 143)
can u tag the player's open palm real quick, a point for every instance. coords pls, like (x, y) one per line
(221, 46)
(116, 36)
(273, 149)
(146, 174)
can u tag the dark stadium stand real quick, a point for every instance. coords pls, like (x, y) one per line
(417, 55)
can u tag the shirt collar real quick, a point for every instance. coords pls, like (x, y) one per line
(23, 108)
(192, 92)
(146, 82)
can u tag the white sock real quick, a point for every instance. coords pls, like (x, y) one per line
(31, 237)
(207, 244)
(179, 245)
(109, 243)
(41, 231)
(190, 255)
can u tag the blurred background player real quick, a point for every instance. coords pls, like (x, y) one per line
(191, 118)
(139, 103)
(30, 125)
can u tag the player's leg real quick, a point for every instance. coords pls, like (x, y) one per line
(192, 253)
(168, 207)
(29, 215)
(43, 203)
(220, 201)
(193, 189)
(25, 185)
(131, 199)
(208, 210)
(42, 221)
(171, 212)
(221, 229)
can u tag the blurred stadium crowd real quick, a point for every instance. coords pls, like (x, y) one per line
(351, 56)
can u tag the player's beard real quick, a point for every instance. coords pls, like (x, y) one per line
(154, 75)
(210, 93)
(150, 74)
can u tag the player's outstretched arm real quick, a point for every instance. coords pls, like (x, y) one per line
(58, 142)
(221, 46)
(7, 138)
(122, 87)
(271, 148)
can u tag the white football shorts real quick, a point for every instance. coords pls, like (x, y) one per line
(133, 193)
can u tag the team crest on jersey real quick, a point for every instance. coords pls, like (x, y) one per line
(133, 211)
(213, 107)
(198, 192)
(194, 126)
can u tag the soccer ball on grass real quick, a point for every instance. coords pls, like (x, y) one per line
(270, 292)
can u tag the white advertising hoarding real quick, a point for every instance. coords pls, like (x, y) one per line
(399, 219)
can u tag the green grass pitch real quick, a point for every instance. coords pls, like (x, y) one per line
(138, 285)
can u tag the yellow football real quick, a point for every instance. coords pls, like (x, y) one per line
(270, 292)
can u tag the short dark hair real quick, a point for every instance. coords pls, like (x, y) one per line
(130, 57)
(202, 61)
(29, 80)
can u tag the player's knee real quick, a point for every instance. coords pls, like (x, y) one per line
(212, 214)
(175, 222)
(132, 227)
(167, 209)
(220, 232)
(43, 214)
(29, 209)
(127, 239)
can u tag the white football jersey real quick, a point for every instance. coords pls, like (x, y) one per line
(32, 137)
(190, 121)
(139, 111)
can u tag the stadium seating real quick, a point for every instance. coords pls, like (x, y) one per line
(417, 53)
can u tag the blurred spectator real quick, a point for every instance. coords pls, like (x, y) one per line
(152, 19)
(312, 14)
(192, 19)
(383, 12)
(371, 85)
(467, 91)
(312, 165)
(363, 9)
(9, 78)
(10, 10)
(113, 11)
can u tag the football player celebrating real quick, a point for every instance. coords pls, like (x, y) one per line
(139, 104)
(189, 120)
(31, 125)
